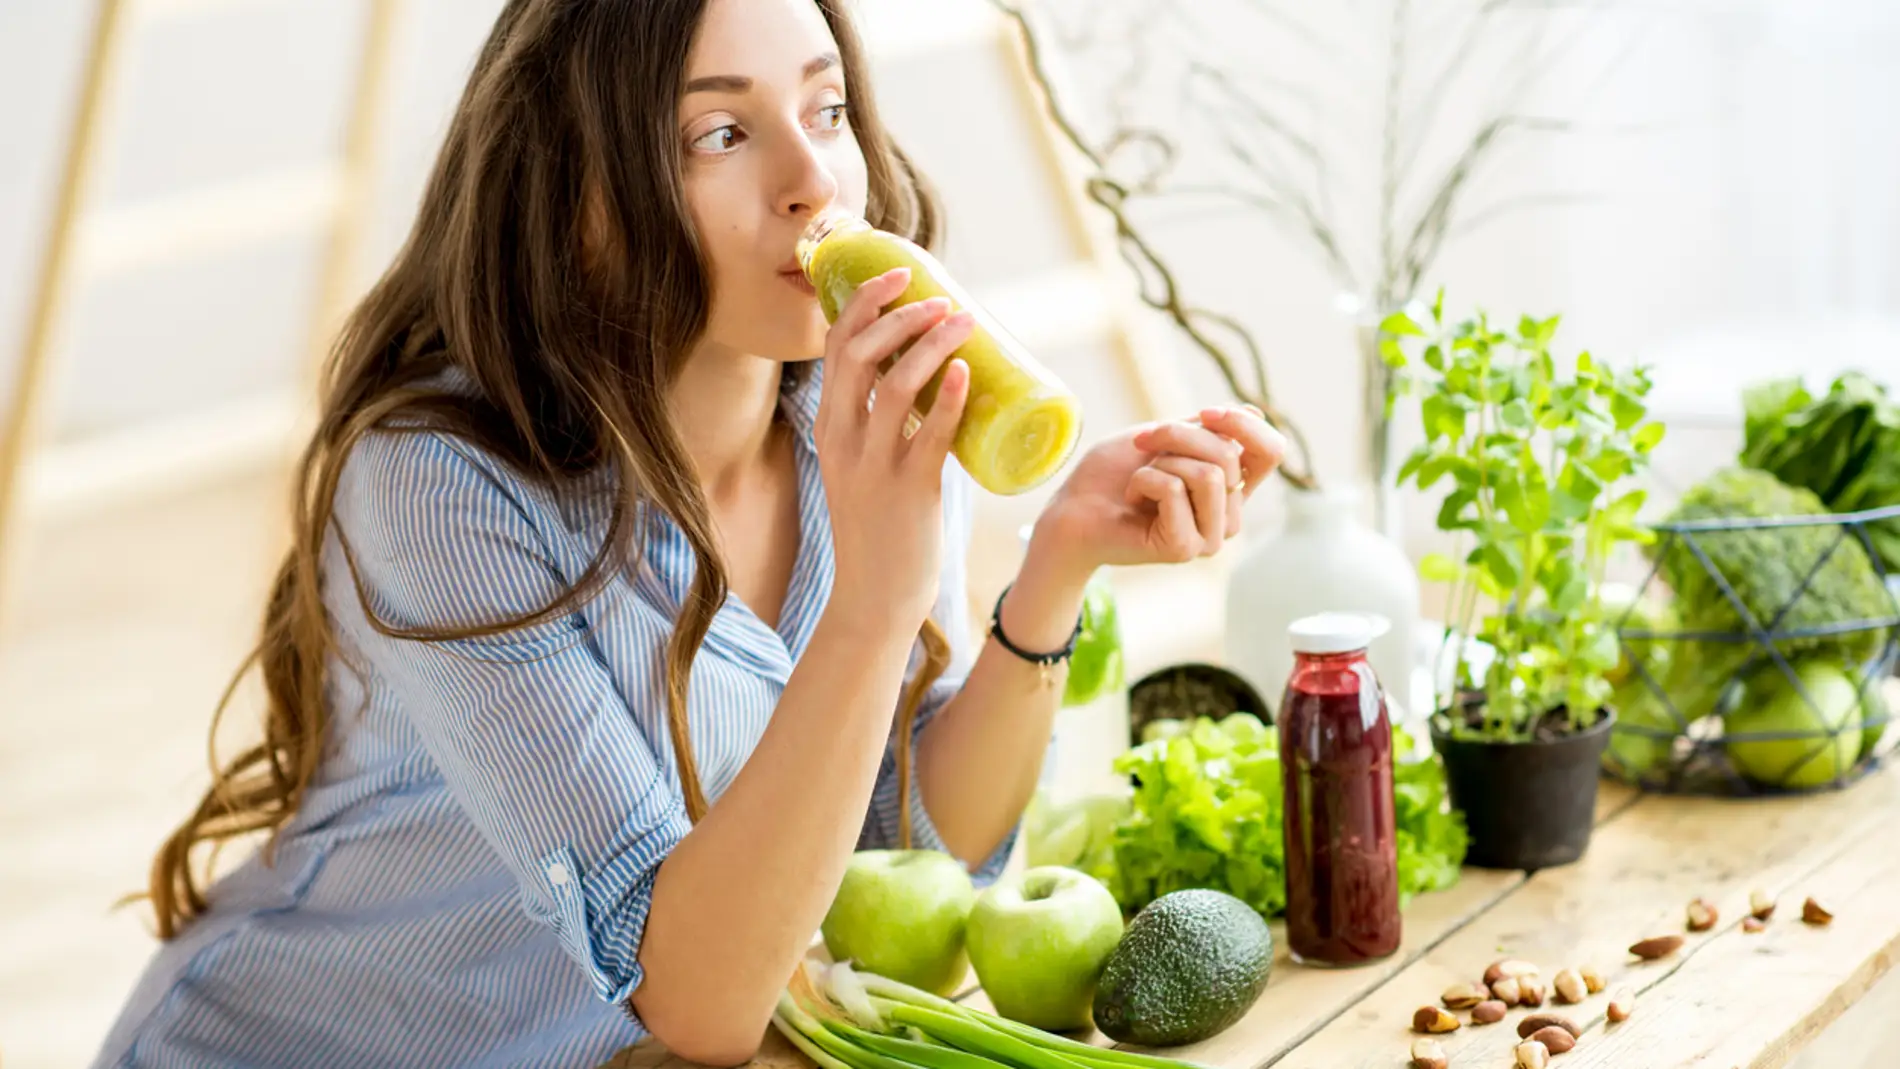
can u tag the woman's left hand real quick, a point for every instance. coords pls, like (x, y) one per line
(1160, 492)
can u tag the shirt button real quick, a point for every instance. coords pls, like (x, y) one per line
(557, 874)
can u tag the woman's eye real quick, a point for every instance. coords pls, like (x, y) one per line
(723, 139)
(832, 117)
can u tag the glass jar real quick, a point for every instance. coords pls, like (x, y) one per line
(1341, 840)
(1020, 423)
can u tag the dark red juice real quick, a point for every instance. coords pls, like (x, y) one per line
(1341, 849)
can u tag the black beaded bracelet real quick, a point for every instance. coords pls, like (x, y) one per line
(1044, 661)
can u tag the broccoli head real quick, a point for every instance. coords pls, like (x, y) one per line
(1765, 567)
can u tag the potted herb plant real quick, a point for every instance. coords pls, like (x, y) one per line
(1533, 454)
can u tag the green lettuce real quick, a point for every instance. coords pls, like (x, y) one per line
(1206, 812)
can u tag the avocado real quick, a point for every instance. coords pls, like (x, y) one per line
(1188, 967)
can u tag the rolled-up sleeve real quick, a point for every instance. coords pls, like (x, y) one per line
(952, 613)
(531, 735)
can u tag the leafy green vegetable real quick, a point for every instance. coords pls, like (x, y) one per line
(1765, 567)
(1096, 667)
(1845, 447)
(1432, 837)
(1206, 812)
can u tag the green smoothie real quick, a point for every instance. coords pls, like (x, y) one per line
(1020, 423)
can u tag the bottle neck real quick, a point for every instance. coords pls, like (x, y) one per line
(824, 225)
(1329, 660)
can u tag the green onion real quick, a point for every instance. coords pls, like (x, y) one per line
(928, 1055)
(978, 1038)
(791, 1020)
(1099, 1057)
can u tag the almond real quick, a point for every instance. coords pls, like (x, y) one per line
(1507, 991)
(1753, 924)
(1702, 915)
(1657, 946)
(1433, 1019)
(1814, 913)
(1427, 1054)
(1622, 1004)
(1554, 1039)
(1568, 986)
(1537, 1021)
(1593, 981)
(1761, 904)
(1462, 996)
(1490, 1011)
(1532, 1055)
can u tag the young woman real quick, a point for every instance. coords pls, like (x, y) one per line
(583, 669)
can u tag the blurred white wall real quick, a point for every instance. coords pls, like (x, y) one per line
(1752, 222)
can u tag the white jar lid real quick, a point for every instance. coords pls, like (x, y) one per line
(1336, 632)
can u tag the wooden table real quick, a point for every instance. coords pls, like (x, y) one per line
(1729, 999)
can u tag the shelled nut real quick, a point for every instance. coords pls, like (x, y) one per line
(1507, 967)
(1702, 915)
(1507, 991)
(1530, 991)
(1433, 1019)
(1427, 1054)
(1752, 924)
(1490, 1011)
(1761, 904)
(1537, 1021)
(1554, 1039)
(1532, 1055)
(1814, 913)
(1622, 1004)
(1657, 946)
(1569, 987)
(1593, 981)
(1463, 996)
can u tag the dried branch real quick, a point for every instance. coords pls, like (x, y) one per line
(1428, 234)
(1140, 254)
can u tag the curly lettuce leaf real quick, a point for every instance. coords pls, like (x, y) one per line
(1206, 812)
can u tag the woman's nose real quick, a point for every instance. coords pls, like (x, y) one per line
(809, 187)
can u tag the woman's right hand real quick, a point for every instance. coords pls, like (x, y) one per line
(885, 488)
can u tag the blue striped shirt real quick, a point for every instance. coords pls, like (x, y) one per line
(468, 878)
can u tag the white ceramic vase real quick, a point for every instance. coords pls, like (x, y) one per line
(1325, 559)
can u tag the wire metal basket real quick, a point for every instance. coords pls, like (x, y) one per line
(1776, 697)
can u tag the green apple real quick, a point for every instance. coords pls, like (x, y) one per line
(1039, 941)
(1643, 737)
(1825, 735)
(901, 914)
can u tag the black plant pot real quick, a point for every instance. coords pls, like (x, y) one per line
(1528, 805)
(1188, 690)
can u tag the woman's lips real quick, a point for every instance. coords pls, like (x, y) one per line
(797, 280)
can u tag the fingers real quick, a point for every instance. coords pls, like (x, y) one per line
(1262, 447)
(1208, 493)
(898, 390)
(1173, 535)
(893, 330)
(1193, 441)
(931, 445)
(848, 376)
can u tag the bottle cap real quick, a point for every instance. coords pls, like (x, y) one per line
(1336, 632)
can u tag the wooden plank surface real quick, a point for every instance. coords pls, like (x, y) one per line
(1755, 1000)
(1641, 871)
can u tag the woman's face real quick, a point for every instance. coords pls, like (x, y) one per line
(767, 145)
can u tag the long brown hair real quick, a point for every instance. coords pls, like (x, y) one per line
(567, 128)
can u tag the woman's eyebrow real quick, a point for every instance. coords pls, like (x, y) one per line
(737, 83)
